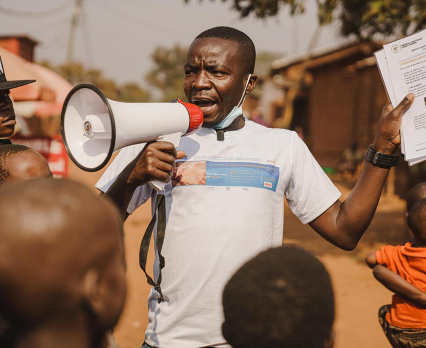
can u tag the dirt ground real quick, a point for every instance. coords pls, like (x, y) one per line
(358, 294)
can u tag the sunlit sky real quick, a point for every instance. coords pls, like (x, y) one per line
(118, 36)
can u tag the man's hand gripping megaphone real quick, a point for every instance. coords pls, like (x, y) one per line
(156, 162)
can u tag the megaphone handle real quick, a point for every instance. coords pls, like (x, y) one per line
(175, 140)
(157, 185)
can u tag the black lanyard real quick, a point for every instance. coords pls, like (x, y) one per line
(160, 207)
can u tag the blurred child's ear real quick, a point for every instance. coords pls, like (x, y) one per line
(329, 343)
(92, 292)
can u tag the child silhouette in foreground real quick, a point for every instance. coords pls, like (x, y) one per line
(62, 270)
(282, 298)
(402, 269)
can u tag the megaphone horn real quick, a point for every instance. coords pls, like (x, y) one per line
(94, 127)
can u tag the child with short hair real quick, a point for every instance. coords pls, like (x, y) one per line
(62, 266)
(402, 270)
(282, 298)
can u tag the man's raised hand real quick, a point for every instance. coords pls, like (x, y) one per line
(387, 137)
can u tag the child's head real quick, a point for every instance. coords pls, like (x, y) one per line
(19, 163)
(417, 220)
(416, 193)
(62, 259)
(281, 298)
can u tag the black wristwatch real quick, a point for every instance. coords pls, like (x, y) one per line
(379, 159)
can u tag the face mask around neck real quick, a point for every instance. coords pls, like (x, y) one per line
(235, 112)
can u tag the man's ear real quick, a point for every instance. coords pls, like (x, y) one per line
(252, 84)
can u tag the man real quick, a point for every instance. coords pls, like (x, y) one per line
(213, 228)
(7, 114)
(19, 163)
(62, 268)
(282, 298)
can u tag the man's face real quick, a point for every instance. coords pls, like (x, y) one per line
(214, 77)
(7, 115)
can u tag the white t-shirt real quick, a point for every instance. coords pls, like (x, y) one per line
(224, 205)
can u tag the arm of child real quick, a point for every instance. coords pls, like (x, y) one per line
(371, 260)
(399, 286)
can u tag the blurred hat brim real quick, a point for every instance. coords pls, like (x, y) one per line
(13, 84)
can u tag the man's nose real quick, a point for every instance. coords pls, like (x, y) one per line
(201, 80)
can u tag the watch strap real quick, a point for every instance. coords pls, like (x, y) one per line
(379, 159)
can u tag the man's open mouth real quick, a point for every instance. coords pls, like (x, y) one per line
(208, 106)
(204, 103)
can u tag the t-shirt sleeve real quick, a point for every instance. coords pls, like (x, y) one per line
(126, 155)
(386, 256)
(310, 192)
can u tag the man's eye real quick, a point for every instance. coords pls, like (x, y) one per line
(188, 72)
(218, 73)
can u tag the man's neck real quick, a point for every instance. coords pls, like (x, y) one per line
(238, 123)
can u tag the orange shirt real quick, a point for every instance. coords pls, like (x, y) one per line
(410, 264)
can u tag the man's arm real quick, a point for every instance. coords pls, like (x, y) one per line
(399, 286)
(154, 162)
(343, 224)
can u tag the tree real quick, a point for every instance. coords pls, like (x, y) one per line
(360, 18)
(131, 92)
(263, 62)
(167, 74)
(76, 74)
(366, 18)
(264, 8)
(262, 69)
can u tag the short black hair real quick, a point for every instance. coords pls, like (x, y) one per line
(282, 298)
(416, 220)
(416, 193)
(246, 44)
(6, 151)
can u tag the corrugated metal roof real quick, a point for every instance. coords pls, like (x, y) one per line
(316, 53)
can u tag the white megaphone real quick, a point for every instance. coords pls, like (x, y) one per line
(94, 127)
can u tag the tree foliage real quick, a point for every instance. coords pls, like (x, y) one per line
(167, 73)
(360, 18)
(366, 18)
(264, 8)
(264, 60)
(76, 73)
(131, 92)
